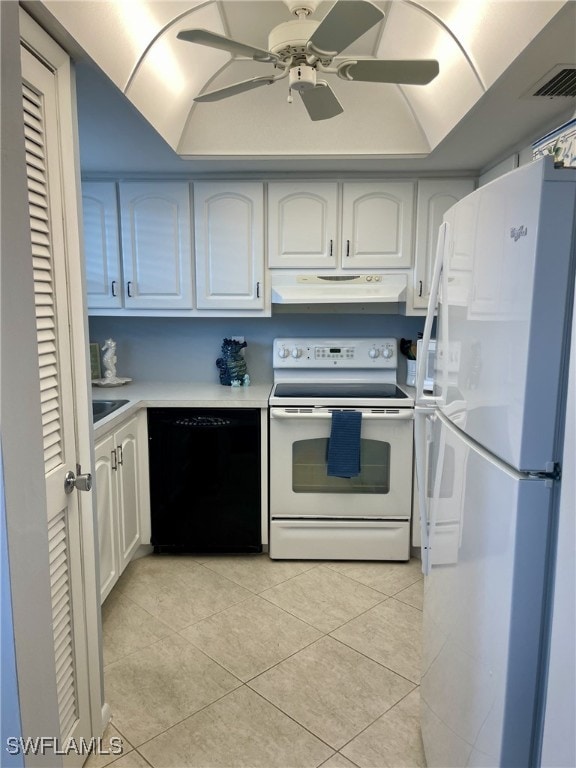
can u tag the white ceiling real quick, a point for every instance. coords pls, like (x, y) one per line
(479, 108)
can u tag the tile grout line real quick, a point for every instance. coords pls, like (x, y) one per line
(306, 570)
(245, 682)
(290, 717)
(376, 720)
(388, 669)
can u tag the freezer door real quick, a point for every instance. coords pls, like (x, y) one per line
(505, 297)
(482, 608)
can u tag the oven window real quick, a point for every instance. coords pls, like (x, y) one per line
(309, 465)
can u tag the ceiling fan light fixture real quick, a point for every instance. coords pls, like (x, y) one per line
(302, 78)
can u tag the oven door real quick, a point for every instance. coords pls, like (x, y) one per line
(300, 486)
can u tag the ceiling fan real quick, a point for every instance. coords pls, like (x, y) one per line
(301, 48)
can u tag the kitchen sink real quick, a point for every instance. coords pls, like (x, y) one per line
(101, 408)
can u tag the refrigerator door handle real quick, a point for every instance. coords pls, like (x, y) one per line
(432, 304)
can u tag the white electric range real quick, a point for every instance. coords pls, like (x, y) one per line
(315, 512)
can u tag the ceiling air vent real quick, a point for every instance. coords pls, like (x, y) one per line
(560, 82)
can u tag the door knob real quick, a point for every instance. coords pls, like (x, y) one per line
(82, 482)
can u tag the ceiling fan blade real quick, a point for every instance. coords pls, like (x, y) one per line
(232, 90)
(213, 40)
(345, 22)
(405, 72)
(321, 102)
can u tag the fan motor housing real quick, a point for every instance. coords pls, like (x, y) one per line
(290, 38)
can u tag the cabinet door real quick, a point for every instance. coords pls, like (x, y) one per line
(229, 245)
(107, 512)
(302, 224)
(377, 225)
(156, 251)
(129, 491)
(101, 245)
(435, 197)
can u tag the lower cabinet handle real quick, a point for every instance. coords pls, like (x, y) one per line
(120, 456)
(420, 291)
(114, 288)
(128, 284)
(331, 244)
(347, 248)
(114, 458)
(258, 290)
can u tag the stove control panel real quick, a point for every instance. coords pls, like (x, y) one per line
(335, 353)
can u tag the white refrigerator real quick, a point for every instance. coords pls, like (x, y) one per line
(489, 462)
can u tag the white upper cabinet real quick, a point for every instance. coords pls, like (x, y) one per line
(302, 224)
(435, 197)
(101, 245)
(377, 225)
(229, 245)
(370, 228)
(156, 250)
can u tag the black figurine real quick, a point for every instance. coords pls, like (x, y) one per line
(232, 365)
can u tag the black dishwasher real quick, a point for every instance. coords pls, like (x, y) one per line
(205, 489)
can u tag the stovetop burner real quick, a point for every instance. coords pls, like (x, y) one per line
(329, 391)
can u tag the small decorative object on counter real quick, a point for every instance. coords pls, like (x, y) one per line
(109, 361)
(232, 365)
(408, 348)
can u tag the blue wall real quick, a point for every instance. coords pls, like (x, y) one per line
(10, 703)
(176, 349)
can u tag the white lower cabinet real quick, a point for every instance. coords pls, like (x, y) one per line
(122, 497)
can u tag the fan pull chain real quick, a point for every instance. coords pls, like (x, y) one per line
(290, 99)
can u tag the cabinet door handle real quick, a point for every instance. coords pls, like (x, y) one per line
(114, 288)
(120, 456)
(258, 290)
(420, 291)
(331, 244)
(114, 458)
(347, 248)
(128, 284)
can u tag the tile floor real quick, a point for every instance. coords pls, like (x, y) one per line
(237, 661)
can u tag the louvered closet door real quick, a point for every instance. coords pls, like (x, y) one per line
(55, 366)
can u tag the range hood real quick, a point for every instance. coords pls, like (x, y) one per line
(338, 289)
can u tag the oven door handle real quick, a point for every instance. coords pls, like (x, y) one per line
(404, 415)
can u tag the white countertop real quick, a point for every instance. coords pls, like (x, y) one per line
(157, 394)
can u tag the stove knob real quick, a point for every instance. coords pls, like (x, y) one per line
(283, 352)
(296, 352)
(374, 353)
(387, 353)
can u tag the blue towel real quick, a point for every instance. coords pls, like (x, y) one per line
(344, 444)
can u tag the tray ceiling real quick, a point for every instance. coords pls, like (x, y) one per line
(490, 52)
